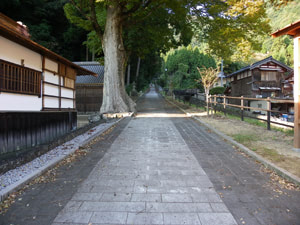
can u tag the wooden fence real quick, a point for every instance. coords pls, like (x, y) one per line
(221, 103)
(215, 100)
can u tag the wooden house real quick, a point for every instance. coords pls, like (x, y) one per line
(261, 79)
(37, 91)
(89, 89)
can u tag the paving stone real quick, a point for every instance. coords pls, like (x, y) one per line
(70, 217)
(112, 206)
(87, 196)
(181, 218)
(146, 197)
(115, 197)
(219, 207)
(72, 206)
(109, 218)
(216, 218)
(176, 198)
(206, 197)
(145, 218)
(178, 207)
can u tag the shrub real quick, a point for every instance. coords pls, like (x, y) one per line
(217, 91)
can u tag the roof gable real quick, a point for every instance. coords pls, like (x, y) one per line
(95, 67)
(260, 63)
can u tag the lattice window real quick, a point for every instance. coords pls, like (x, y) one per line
(268, 75)
(19, 79)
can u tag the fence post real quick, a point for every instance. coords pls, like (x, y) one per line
(224, 102)
(268, 113)
(242, 108)
(215, 103)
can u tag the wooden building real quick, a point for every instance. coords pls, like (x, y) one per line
(261, 79)
(294, 31)
(37, 91)
(89, 89)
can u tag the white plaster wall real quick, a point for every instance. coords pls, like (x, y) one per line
(51, 102)
(50, 90)
(50, 77)
(51, 65)
(66, 93)
(66, 103)
(13, 52)
(19, 102)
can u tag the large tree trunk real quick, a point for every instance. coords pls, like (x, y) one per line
(115, 98)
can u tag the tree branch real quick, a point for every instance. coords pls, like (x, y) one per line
(94, 20)
(79, 10)
(144, 17)
(136, 7)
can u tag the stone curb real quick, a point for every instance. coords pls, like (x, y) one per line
(25, 180)
(282, 172)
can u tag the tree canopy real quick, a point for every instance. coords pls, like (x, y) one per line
(141, 27)
(180, 67)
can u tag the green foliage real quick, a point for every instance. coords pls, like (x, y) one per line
(232, 29)
(230, 67)
(181, 65)
(48, 25)
(281, 48)
(217, 91)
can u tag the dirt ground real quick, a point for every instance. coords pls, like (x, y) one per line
(276, 146)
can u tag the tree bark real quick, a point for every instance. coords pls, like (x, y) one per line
(128, 75)
(115, 98)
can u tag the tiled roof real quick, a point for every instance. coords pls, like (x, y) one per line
(259, 63)
(89, 79)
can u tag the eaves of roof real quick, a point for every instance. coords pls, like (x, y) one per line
(96, 67)
(291, 29)
(14, 36)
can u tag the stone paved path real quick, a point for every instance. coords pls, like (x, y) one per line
(146, 171)
(148, 176)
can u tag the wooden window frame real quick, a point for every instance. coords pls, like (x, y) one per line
(19, 79)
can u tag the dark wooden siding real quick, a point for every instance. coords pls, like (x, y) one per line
(89, 98)
(20, 131)
(242, 87)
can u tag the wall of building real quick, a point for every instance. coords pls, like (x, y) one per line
(14, 53)
(18, 102)
(55, 85)
(89, 97)
(21, 131)
(59, 95)
(242, 87)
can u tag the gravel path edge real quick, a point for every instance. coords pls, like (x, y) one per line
(26, 179)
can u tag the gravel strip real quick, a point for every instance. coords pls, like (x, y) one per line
(10, 178)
